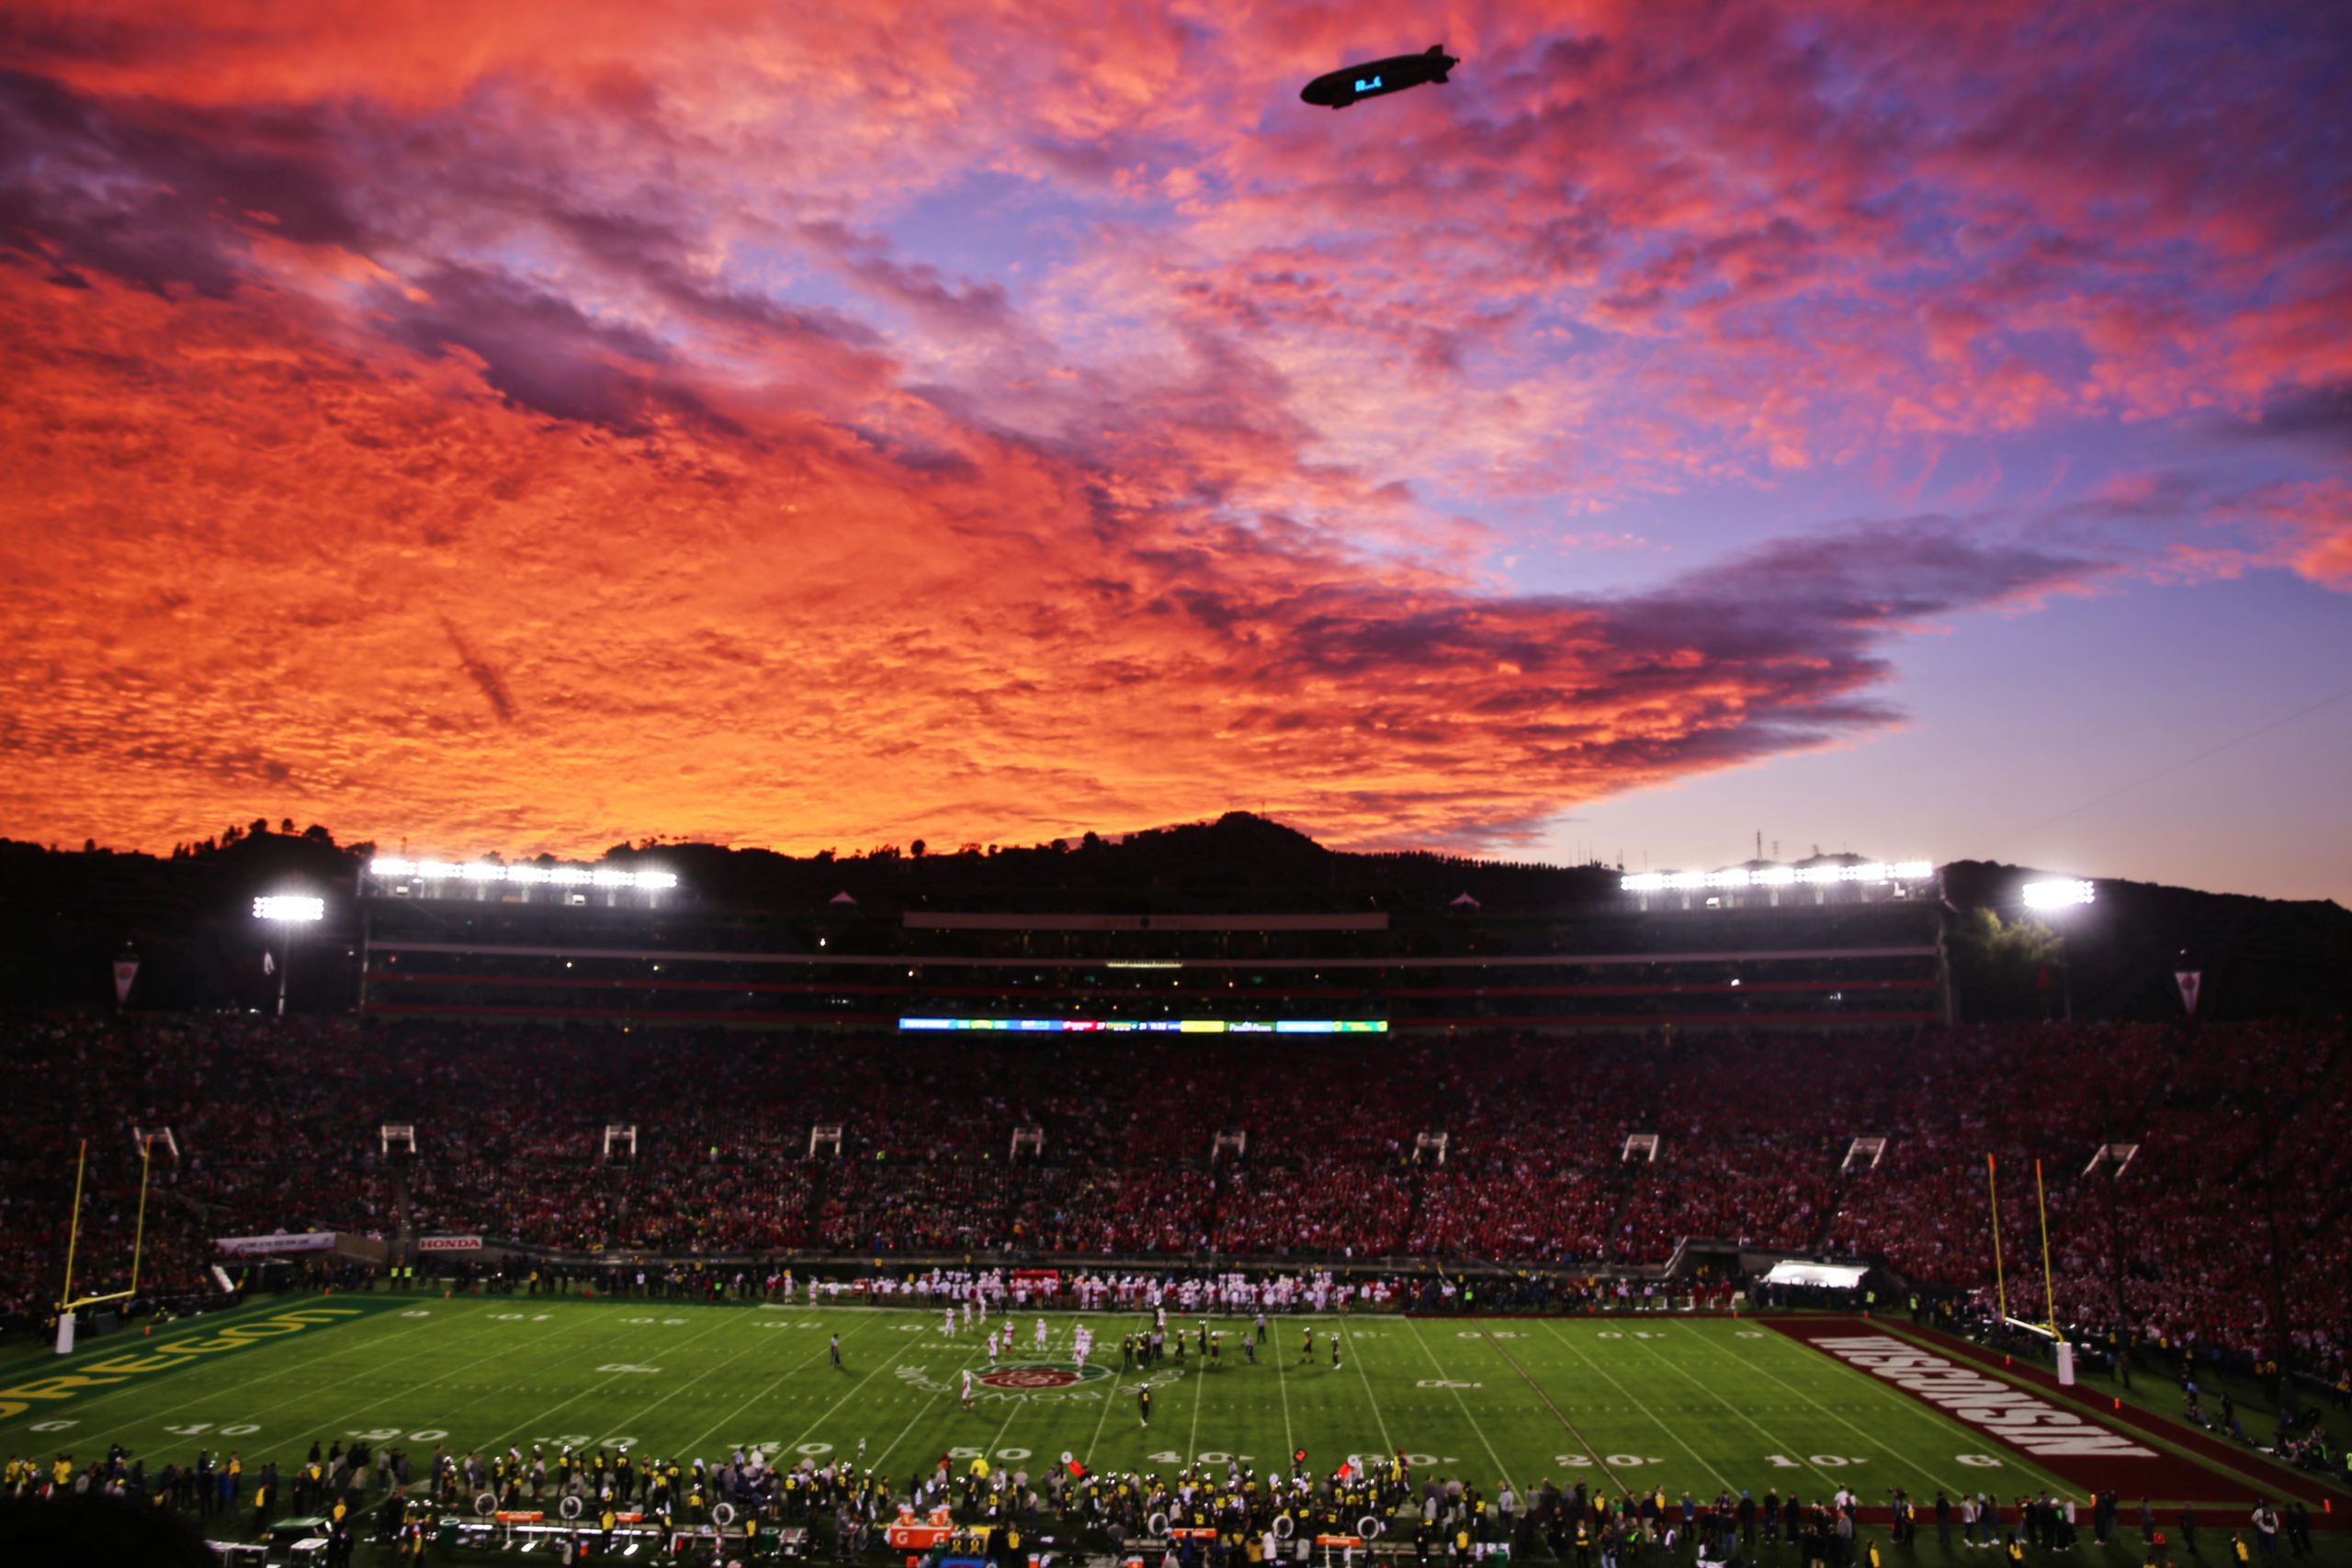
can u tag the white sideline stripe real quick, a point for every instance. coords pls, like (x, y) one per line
(1651, 1415)
(1475, 1425)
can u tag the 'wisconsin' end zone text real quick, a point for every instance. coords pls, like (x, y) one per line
(2021, 1419)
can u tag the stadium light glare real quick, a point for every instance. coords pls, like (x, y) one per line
(293, 908)
(523, 875)
(290, 910)
(2059, 893)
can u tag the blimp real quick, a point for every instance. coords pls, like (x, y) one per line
(1338, 89)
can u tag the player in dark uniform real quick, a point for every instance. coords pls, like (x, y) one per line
(1143, 1402)
(1307, 1345)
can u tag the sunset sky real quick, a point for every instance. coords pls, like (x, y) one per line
(1911, 427)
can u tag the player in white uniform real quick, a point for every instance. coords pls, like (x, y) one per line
(1041, 1336)
(968, 1388)
(948, 1327)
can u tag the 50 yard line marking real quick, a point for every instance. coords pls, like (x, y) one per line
(1103, 1420)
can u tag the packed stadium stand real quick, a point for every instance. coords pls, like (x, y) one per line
(2232, 1207)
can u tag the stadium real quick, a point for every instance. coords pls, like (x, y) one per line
(1549, 784)
(662, 1208)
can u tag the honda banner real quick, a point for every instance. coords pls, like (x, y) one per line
(448, 1243)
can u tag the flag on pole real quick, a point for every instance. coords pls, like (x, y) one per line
(2191, 982)
(126, 970)
(268, 964)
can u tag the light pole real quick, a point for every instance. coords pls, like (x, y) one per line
(2052, 899)
(290, 910)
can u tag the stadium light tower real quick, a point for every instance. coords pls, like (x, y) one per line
(290, 910)
(2052, 899)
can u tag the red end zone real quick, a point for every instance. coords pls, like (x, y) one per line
(2054, 1433)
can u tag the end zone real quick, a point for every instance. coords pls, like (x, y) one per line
(2055, 1434)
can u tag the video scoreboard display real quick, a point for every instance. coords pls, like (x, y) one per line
(1151, 1025)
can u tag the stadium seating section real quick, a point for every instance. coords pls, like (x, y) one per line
(2240, 1129)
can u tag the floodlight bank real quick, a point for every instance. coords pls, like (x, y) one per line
(1778, 877)
(525, 875)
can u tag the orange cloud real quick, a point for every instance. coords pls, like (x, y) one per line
(523, 426)
(254, 570)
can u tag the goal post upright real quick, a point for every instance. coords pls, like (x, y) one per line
(67, 1301)
(73, 1238)
(1992, 1187)
(2049, 1291)
(139, 1232)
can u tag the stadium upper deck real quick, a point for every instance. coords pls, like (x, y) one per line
(1826, 954)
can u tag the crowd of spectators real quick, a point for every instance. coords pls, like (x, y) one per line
(2233, 1203)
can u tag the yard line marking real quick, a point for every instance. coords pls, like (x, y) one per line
(792, 1371)
(273, 1375)
(440, 1418)
(1290, 1443)
(1827, 1480)
(877, 1466)
(1475, 1425)
(1101, 1421)
(1582, 1441)
(721, 1320)
(1387, 1443)
(1914, 1411)
(998, 1441)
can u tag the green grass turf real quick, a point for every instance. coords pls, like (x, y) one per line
(1690, 1405)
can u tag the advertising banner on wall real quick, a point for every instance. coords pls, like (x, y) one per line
(263, 1246)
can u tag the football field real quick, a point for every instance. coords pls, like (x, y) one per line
(1683, 1403)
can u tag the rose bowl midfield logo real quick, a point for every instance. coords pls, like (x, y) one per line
(1037, 1377)
(1025, 1379)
